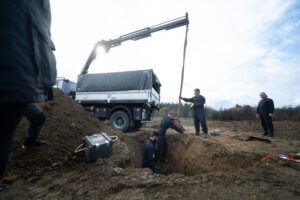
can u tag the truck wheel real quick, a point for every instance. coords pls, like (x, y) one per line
(119, 120)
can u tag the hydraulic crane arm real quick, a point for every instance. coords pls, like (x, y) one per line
(140, 34)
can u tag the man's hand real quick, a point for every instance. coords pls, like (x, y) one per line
(180, 98)
(270, 114)
(257, 115)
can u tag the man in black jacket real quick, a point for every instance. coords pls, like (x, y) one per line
(27, 65)
(199, 114)
(166, 123)
(265, 110)
(150, 155)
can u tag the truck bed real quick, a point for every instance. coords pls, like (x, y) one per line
(125, 96)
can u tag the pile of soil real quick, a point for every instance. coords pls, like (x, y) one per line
(66, 124)
(198, 156)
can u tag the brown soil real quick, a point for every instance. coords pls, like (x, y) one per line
(66, 125)
(209, 168)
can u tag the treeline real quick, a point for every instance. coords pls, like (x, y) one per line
(237, 113)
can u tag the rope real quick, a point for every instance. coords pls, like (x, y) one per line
(182, 71)
(114, 136)
(77, 150)
(180, 93)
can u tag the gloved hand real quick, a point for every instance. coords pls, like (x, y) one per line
(192, 106)
(180, 98)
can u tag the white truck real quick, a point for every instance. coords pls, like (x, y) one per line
(129, 98)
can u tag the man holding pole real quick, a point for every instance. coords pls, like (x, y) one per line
(199, 114)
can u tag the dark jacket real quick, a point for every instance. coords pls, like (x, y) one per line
(167, 123)
(198, 102)
(149, 155)
(265, 106)
(27, 62)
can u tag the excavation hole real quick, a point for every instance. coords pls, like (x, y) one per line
(195, 156)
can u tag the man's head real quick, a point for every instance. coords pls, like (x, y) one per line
(196, 92)
(154, 136)
(263, 95)
(171, 115)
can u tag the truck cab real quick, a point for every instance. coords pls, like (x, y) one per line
(67, 86)
(127, 99)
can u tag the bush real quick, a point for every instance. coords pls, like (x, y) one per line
(237, 113)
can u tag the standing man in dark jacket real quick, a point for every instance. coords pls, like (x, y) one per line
(166, 123)
(265, 110)
(199, 114)
(150, 155)
(27, 64)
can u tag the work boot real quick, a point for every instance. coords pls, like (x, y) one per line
(164, 161)
(2, 186)
(271, 135)
(36, 142)
(264, 134)
(205, 135)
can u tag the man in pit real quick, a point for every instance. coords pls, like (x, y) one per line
(166, 123)
(150, 155)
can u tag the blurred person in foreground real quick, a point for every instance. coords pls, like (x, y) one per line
(199, 113)
(265, 110)
(27, 65)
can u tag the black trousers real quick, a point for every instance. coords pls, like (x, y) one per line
(36, 119)
(266, 123)
(162, 148)
(199, 118)
(10, 117)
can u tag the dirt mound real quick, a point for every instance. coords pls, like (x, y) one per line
(200, 156)
(66, 124)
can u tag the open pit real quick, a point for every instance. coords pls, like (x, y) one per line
(191, 155)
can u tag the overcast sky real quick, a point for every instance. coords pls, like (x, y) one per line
(236, 49)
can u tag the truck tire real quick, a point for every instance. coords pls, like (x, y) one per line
(119, 120)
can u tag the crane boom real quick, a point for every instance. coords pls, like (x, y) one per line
(136, 35)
